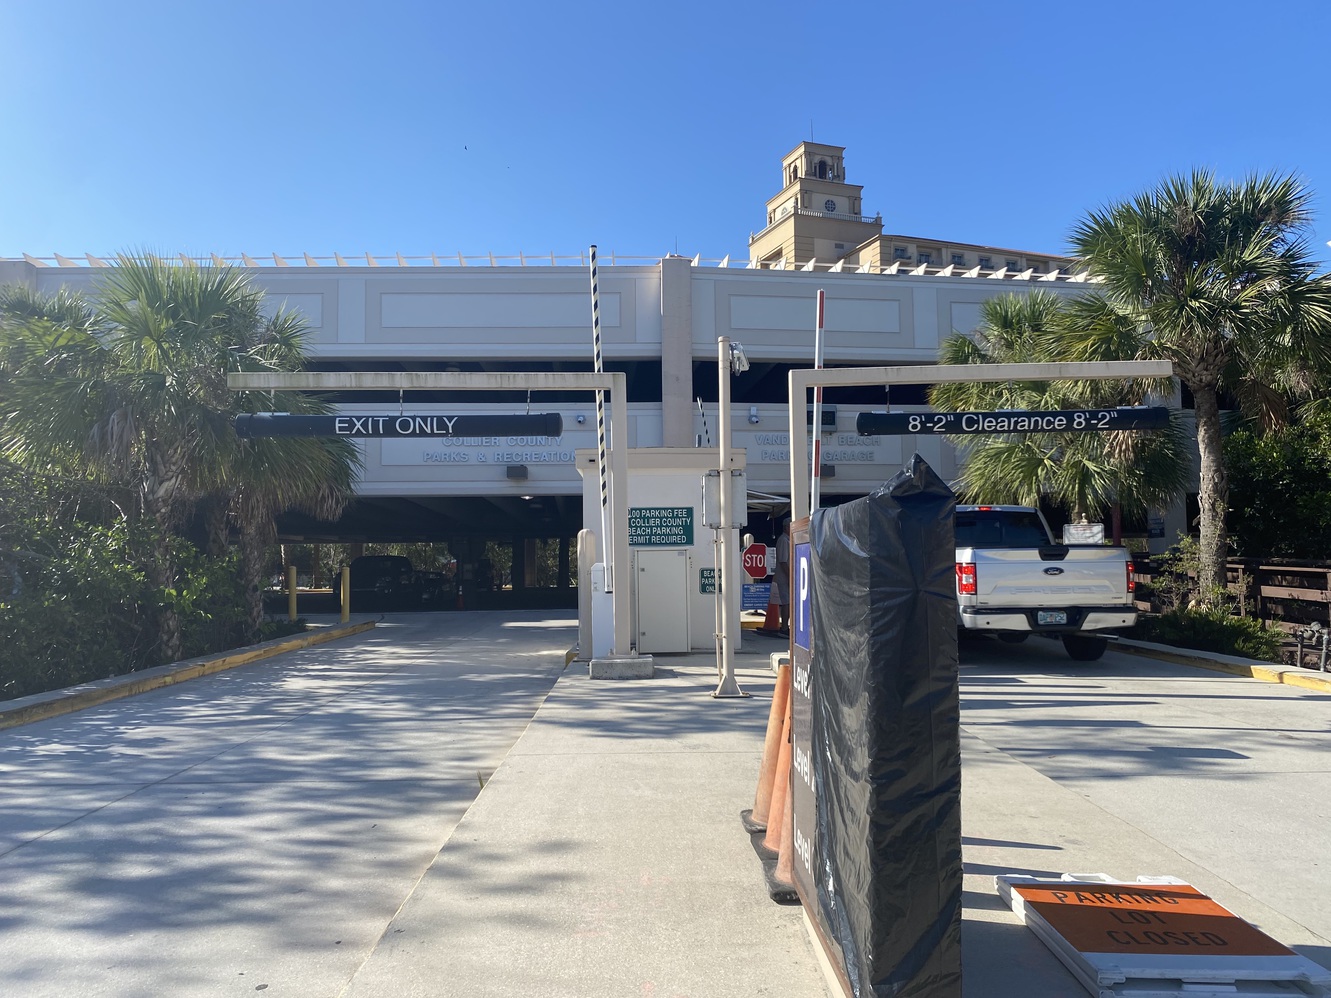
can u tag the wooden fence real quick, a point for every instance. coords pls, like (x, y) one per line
(1294, 597)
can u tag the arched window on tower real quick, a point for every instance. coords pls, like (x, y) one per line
(822, 169)
(794, 173)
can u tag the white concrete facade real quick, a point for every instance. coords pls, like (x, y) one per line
(671, 313)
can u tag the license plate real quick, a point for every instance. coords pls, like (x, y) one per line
(1051, 616)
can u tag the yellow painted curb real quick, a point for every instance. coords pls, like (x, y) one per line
(40, 706)
(1322, 682)
(1263, 673)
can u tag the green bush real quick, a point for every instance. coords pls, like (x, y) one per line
(1195, 619)
(1278, 487)
(75, 602)
(210, 598)
(77, 609)
(1210, 629)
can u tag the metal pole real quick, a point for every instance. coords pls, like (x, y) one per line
(718, 601)
(607, 526)
(727, 687)
(346, 593)
(815, 475)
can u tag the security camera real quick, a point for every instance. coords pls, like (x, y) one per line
(739, 363)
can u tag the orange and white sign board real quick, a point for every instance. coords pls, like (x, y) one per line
(1146, 937)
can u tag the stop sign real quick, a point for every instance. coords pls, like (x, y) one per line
(755, 561)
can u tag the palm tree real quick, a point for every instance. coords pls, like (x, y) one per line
(1215, 277)
(1086, 473)
(268, 476)
(315, 476)
(131, 387)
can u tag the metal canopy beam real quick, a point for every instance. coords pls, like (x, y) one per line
(410, 381)
(614, 382)
(800, 381)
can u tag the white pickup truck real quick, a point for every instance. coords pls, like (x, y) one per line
(1014, 580)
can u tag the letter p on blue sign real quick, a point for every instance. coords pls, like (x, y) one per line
(803, 595)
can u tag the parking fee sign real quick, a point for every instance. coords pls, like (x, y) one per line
(755, 561)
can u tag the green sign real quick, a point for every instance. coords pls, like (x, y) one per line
(660, 526)
(707, 580)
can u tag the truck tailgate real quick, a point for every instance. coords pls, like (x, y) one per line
(1087, 576)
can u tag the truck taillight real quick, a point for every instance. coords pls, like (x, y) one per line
(1132, 583)
(966, 578)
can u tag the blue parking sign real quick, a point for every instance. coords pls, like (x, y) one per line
(803, 595)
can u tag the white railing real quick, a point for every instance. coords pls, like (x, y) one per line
(871, 219)
(306, 261)
(368, 260)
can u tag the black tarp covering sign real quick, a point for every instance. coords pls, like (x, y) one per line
(881, 871)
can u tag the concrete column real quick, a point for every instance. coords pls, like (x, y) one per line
(529, 566)
(677, 351)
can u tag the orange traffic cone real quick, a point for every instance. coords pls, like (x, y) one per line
(772, 622)
(757, 819)
(784, 874)
(776, 830)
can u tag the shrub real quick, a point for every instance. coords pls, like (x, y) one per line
(77, 610)
(1278, 484)
(1211, 629)
(1195, 619)
(75, 602)
(1174, 579)
(210, 599)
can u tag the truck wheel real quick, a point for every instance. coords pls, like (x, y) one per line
(1013, 637)
(1081, 648)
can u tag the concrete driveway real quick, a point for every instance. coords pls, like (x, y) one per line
(164, 844)
(272, 828)
(1132, 766)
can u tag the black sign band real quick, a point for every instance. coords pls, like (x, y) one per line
(281, 424)
(1013, 421)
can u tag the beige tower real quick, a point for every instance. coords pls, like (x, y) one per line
(816, 215)
(815, 222)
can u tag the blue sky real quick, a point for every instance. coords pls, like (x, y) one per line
(409, 127)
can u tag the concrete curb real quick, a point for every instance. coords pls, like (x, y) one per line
(1230, 664)
(40, 706)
